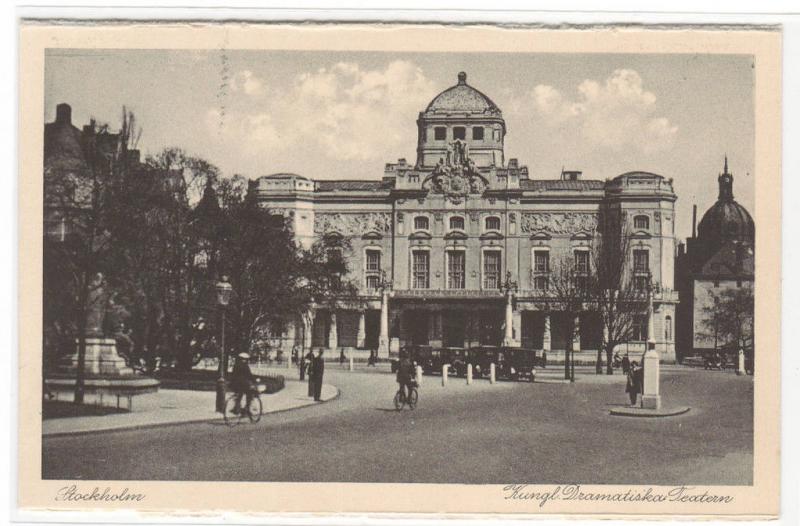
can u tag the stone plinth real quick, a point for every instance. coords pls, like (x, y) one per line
(651, 399)
(101, 359)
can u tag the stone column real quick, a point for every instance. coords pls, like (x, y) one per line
(508, 337)
(333, 333)
(308, 332)
(576, 338)
(383, 339)
(740, 369)
(546, 341)
(362, 334)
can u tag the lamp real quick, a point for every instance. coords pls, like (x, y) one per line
(224, 291)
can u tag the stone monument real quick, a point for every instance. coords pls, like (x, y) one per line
(651, 399)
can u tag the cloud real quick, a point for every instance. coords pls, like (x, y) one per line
(343, 112)
(246, 82)
(617, 114)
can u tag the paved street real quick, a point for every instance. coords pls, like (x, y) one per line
(508, 432)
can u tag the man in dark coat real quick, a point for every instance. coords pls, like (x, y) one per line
(317, 373)
(634, 384)
(242, 381)
(308, 364)
(405, 373)
(626, 364)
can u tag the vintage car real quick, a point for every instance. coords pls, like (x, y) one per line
(518, 363)
(422, 355)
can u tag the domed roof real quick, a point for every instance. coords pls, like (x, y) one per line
(726, 220)
(462, 98)
(62, 142)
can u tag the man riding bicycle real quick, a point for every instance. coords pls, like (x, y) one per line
(405, 374)
(242, 382)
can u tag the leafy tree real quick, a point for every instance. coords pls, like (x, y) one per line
(728, 320)
(78, 261)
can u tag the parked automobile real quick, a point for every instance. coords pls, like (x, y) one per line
(519, 363)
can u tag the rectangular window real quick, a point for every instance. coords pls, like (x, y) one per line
(540, 283)
(640, 283)
(641, 261)
(440, 133)
(477, 133)
(455, 270)
(459, 132)
(639, 328)
(373, 260)
(372, 282)
(582, 261)
(491, 270)
(420, 269)
(541, 261)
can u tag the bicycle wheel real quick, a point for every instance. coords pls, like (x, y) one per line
(413, 396)
(398, 401)
(231, 418)
(254, 409)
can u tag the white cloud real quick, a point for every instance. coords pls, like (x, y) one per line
(616, 114)
(248, 83)
(342, 112)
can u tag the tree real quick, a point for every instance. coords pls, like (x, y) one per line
(569, 292)
(728, 319)
(78, 263)
(614, 292)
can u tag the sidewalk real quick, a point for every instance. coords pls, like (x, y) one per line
(172, 406)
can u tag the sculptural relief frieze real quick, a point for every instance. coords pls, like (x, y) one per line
(352, 224)
(559, 222)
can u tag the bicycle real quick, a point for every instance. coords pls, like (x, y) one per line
(253, 411)
(400, 398)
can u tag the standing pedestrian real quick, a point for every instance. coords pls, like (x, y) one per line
(308, 362)
(342, 357)
(626, 364)
(319, 371)
(633, 385)
(371, 359)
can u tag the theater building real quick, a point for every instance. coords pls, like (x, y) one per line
(456, 248)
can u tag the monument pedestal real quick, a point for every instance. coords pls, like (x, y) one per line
(101, 359)
(651, 399)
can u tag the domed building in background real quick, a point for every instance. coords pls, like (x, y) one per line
(719, 256)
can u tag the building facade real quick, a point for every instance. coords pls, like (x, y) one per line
(719, 257)
(457, 249)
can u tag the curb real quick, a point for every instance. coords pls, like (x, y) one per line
(636, 412)
(138, 427)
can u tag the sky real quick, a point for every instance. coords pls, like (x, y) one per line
(336, 115)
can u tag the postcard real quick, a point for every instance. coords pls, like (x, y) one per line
(407, 269)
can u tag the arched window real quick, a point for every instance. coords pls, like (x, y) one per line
(641, 223)
(493, 223)
(456, 223)
(668, 328)
(421, 223)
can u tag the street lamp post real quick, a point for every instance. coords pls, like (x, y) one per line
(224, 290)
(385, 287)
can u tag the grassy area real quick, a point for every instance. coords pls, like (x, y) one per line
(205, 380)
(60, 409)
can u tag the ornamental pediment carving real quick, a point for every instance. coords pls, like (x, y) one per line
(559, 223)
(353, 224)
(456, 175)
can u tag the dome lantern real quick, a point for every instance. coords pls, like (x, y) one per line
(726, 220)
(462, 113)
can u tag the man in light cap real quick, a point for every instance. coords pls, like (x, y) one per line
(242, 381)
